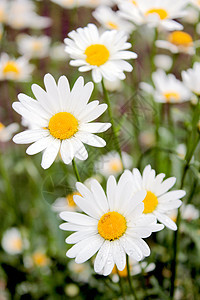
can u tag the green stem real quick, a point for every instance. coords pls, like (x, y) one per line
(153, 51)
(120, 285)
(76, 170)
(130, 279)
(107, 100)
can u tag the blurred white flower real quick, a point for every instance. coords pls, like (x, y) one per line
(80, 272)
(163, 61)
(196, 3)
(3, 10)
(57, 52)
(65, 203)
(189, 212)
(33, 46)
(113, 86)
(6, 132)
(110, 19)
(12, 241)
(181, 150)
(192, 16)
(40, 259)
(18, 69)
(71, 290)
(111, 164)
(96, 3)
(168, 89)
(68, 3)
(191, 78)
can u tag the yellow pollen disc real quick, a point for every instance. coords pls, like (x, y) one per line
(40, 259)
(116, 165)
(63, 125)
(159, 11)
(134, 2)
(123, 273)
(180, 38)
(171, 96)
(11, 67)
(70, 199)
(112, 226)
(97, 55)
(112, 25)
(17, 244)
(37, 45)
(150, 203)
(1, 126)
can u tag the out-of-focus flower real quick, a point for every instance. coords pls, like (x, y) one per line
(189, 212)
(147, 139)
(181, 150)
(1, 32)
(33, 46)
(12, 241)
(178, 41)
(114, 225)
(191, 78)
(3, 10)
(192, 16)
(40, 259)
(80, 272)
(110, 19)
(196, 3)
(22, 15)
(155, 13)
(6, 132)
(158, 201)
(57, 52)
(168, 89)
(113, 86)
(103, 54)
(63, 125)
(71, 290)
(111, 164)
(18, 69)
(65, 203)
(163, 61)
(68, 3)
(96, 3)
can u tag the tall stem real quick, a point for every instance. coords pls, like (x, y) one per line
(130, 279)
(107, 100)
(76, 171)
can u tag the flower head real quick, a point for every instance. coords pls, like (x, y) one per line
(104, 54)
(6, 132)
(12, 241)
(63, 120)
(191, 78)
(113, 226)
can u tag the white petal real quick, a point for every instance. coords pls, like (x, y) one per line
(165, 186)
(102, 256)
(30, 136)
(162, 218)
(39, 145)
(66, 151)
(50, 154)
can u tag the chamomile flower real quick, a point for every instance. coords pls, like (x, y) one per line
(163, 61)
(12, 241)
(33, 46)
(65, 203)
(63, 119)
(110, 19)
(113, 226)
(155, 13)
(103, 54)
(178, 42)
(17, 69)
(40, 259)
(96, 3)
(111, 164)
(68, 3)
(6, 132)
(168, 89)
(158, 201)
(191, 78)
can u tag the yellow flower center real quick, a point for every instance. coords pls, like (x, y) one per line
(17, 244)
(112, 25)
(11, 67)
(134, 2)
(97, 55)
(70, 199)
(63, 125)
(116, 165)
(40, 259)
(150, 202)
(123, 273)
(180, 38)
(37, 46)
(112, 226)
(1, 126)
(162, 13)
(171, 95)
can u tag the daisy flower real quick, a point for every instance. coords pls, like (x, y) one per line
(57, 52)
(191, 78)
(65, 203)
(155, 13)
(111, 164)
(12, 241)
(110, 19)
(168, 89)
(33, 46)
(96, 3)
(178, 42)
(104, 54)
(6, 132)
(163, 61)
(17, 69)
(63, 119)
(113, 226)
(158, 201)
(3, 11)
(68, 3)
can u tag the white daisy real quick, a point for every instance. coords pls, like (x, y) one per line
(113, 226)
(104, 54)
(17, 69)
(112, 86)
(63, 118)
(163, 61)
(191, 78)
(65, 203)
(57, 52)
(178, 42)
(111, 164)
(12, 241)
(68, 3)
(6, 132)
(158, 201)
(110, 19)
(33, 46)
(168, 89)
(96, 3)
(155, 13)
